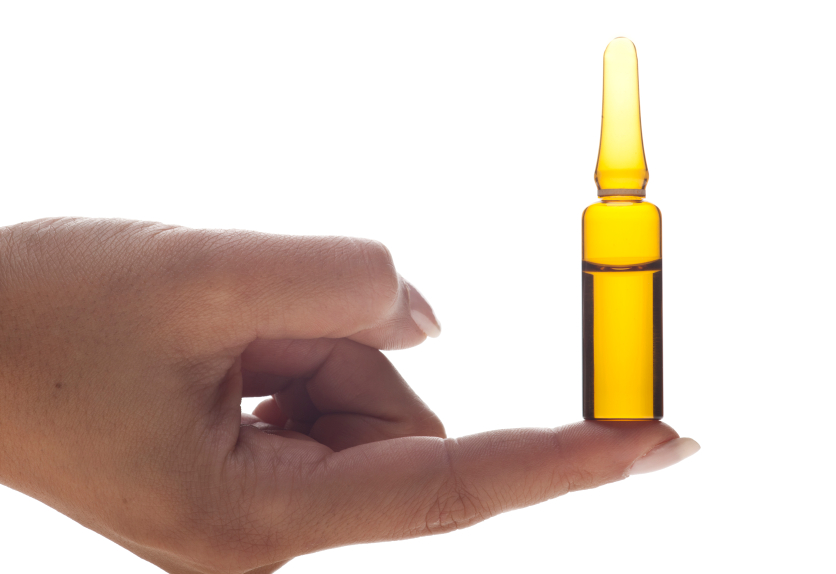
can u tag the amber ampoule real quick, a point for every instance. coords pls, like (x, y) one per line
(622, 261)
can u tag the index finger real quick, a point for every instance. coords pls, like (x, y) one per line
(245, 285)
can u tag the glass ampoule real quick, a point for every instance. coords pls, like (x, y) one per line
(622, 260)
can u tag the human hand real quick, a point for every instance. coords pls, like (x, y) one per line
(125, 349)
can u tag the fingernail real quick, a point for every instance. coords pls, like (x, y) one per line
(422, 313)
(664, 455)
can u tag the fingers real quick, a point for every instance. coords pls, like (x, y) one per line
(418, 486)
(339, 392)
(255, 285)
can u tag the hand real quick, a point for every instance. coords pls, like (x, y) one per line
(125, 349)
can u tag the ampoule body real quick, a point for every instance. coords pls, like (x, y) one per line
(622, 261)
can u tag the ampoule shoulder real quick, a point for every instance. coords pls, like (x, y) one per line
(622, 232)
(639, 210)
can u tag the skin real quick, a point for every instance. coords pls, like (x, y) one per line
(125, 350)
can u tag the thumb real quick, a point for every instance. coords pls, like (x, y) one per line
(417, 486)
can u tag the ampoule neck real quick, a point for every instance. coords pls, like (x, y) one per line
(621, 198)
(621, 164)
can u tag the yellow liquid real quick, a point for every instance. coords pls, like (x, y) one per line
(622, 310)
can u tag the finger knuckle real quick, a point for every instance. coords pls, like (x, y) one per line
(79, 258)
(455, 507)
(79, 243)
(456, 504)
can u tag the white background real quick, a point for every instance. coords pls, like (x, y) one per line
(463, 135)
